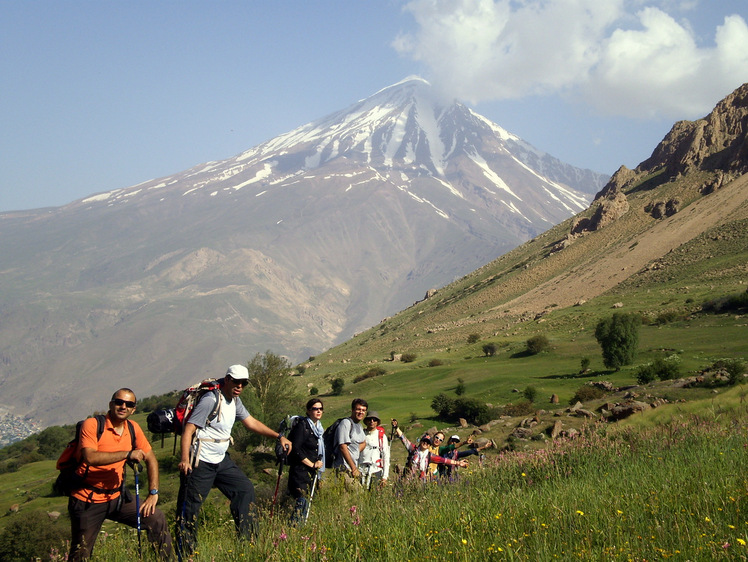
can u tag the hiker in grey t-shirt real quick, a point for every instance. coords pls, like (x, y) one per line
(350, 438)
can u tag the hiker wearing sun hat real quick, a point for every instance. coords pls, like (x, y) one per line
(374, 461)
(420, 454)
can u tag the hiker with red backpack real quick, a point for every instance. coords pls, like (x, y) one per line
(374, 462)
(100, 492)
(306, 459)
(205, 462)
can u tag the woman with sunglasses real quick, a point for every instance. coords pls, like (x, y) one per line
(307, 457)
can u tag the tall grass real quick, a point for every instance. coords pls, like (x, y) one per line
(675, 490)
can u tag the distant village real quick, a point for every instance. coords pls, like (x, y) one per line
(14, 428)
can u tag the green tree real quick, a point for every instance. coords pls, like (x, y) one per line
(442, 405)
(489, 349)
(473, 338)
(273, 387)
(337, 386)
(53, 440)
(618, 337)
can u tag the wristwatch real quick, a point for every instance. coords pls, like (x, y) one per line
(154, 492)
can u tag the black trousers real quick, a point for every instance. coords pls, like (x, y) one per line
(86, 520)
(195, 487)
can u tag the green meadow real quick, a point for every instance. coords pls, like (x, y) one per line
(669, 483)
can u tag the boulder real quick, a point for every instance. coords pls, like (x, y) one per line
(556, 429)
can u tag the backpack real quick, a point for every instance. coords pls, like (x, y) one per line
(331, 451)
(69, 480)
(285, 427)
(172, 420)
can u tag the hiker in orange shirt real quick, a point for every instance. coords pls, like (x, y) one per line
(102, 494)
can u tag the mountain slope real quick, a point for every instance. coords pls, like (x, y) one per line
(293, 246)
(675, 227)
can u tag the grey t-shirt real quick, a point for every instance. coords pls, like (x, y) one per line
(351, 433)
(215, 437)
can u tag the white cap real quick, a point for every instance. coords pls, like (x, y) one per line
(454, 438)
(238, 372)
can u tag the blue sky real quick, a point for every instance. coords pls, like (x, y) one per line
(103, 95)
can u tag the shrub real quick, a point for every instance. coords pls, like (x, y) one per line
(408, 357)
(489, 349)
(472, 410)
(668, 368)
(537, 344)
(663, 368)
(314, 391)
(301, 369)
(460, 388)
(734, 367)
(32, 536)
(667, 317)
(530, 393)
(473, 338)
(371, 373)
(618, 337)
(732, 303)
(585, 393)
(645, 374)
(521, 408)
(435, 362)
(337, 386)
(584, 364)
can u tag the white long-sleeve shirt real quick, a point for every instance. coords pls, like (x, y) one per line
(376, 454)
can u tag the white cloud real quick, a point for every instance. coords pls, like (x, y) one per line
(624, 62)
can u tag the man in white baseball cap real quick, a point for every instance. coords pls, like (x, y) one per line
(205, 462)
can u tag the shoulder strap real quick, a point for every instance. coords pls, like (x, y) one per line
(100, 423)
(132, 433)
(216, 407)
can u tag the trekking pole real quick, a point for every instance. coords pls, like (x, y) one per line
(311, 494)
(277, 484)
(136, 470)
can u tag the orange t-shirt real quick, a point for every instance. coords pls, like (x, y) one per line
(106, 476)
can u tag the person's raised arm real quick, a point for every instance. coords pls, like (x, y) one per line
(256, 426)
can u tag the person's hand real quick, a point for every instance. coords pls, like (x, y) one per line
(470, 440)
(461, 463)
(394, 423)
(355, 472)
(148, 507)
(317, 465)
(185, 468)
(136, 455)
(285, 443)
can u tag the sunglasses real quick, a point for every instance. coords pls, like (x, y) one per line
(120, 402)
(317, 409)
(239, 382)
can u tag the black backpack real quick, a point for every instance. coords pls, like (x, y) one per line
(331, 451)
(285, 427)
(69, 480)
